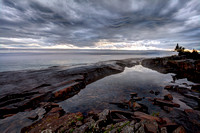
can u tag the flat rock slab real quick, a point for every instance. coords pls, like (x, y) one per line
(22, 90)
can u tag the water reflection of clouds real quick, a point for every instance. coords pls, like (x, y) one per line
(140, 68)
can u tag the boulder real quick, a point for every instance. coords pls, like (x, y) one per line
(150, 126)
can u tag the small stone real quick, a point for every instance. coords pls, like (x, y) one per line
(136, 106)
(168, 109)
(196, 88)
(157, 93)
(133, 94)
(47, 131)
(169, 87)
(8, 115)
(166, 120)
(168, 97)
(137, 98)
(179, 130)
(56, 109)
(79, 123)
(33, 118)
(163, 130)
(151, 91)
(130, 104)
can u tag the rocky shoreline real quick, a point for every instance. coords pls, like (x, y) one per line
(25, 90)
(135, 119)
(30, 98)
(182, 66)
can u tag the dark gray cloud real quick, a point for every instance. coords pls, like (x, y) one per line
(100, 23)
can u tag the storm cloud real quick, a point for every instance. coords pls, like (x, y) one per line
(123, 24)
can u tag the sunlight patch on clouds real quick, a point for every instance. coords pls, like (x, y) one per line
(61, 46)
(133, 45)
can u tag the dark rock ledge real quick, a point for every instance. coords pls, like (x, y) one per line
(25, 90)
(182, 66)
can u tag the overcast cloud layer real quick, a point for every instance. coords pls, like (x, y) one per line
(123, 24)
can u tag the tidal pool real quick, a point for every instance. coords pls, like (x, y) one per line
(117, 87)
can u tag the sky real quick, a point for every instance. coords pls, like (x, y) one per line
(100, 24)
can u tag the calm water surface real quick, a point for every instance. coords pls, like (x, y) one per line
(20, 59)
(118, 87)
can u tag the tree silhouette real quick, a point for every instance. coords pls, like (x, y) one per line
(177, 47)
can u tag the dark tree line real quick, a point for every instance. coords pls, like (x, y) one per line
(181, 52)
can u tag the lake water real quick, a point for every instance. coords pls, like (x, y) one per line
(20, 59)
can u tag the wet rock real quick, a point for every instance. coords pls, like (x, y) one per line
(140, 129)
(133, 94)
(16, 122)
(162, 102)
(169, 87)
(193, 116)
(136, 106)
(66, 92)
(84, 127)
(137, 99)
(168, 97)
(104, 114)
(34, 117)
(170, 126)
(128, 129)
(103, 119)
(137, 125)
(163, 130)
(166, 108)
(196, 88)
(25, 90)
(157, 93)
(150, 126)
(121, 105)
(54, 120)
(179, 130)
(118, 127)
(144, 116)
(151, 91)
(177, 88)
(139, 107)
(182, 66)
(8, 115)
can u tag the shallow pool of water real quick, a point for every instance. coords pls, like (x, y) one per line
(115, 88)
